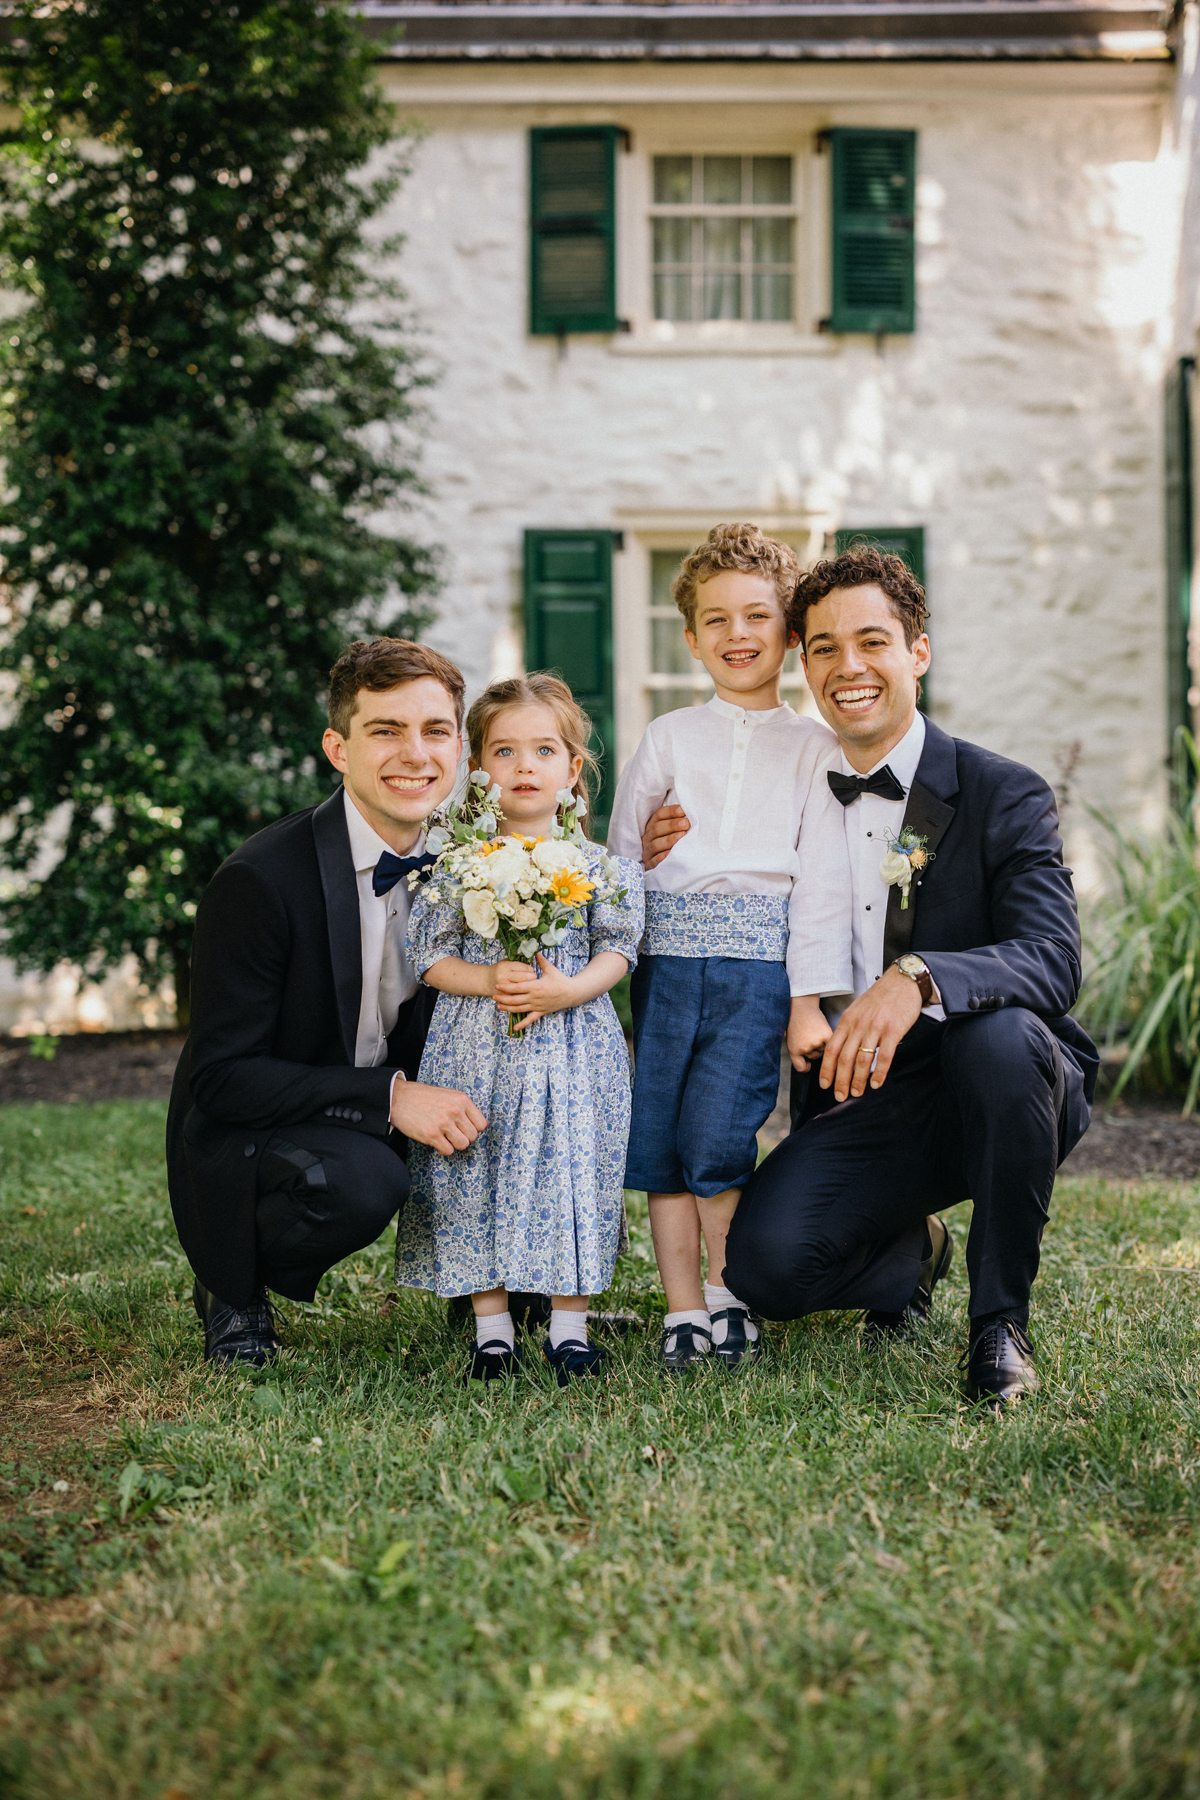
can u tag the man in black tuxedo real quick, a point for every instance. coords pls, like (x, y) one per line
(956, 1072)
(296, 1090)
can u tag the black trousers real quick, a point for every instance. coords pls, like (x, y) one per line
(324, 1192)
(985, 1107)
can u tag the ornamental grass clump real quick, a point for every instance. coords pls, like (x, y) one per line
(1141, 992)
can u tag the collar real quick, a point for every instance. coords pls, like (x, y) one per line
(740, 716)
(366, 845)
(902, 758)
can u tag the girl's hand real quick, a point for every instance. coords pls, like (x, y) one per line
(534, 995)
(808, 1031)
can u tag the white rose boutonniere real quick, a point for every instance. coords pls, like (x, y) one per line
(905, 855)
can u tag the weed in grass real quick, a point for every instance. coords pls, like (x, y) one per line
(349, 1575)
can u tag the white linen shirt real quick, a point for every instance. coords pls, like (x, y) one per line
(763, 821)
(871, 822)
(387, 978)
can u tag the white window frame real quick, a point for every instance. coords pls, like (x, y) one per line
(636, 209)
(643, 533)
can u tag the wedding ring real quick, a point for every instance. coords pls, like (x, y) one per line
(867, 1049)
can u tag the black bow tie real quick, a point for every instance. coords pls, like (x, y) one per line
(389, 869)
(847, 788)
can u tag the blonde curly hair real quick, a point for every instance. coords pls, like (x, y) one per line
(744, 547)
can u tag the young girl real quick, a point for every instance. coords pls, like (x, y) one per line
(535, 1203)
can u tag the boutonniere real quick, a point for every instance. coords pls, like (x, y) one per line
(906, 854)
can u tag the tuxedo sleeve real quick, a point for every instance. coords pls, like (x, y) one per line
(1036, 960)
(239, 963)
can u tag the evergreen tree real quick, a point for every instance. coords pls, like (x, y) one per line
(202, 401)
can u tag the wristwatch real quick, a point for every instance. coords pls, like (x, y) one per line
(911, 965)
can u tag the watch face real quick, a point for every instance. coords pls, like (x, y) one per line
(912, 965)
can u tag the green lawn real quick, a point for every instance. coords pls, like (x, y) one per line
(353, 1578)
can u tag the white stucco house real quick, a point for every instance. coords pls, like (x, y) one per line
(925, 270)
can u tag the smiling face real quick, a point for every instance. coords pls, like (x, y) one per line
(862, 674)
(400, 757)
(526, 757)
(740, 635)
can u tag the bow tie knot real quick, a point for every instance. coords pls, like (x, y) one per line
(390, 869)
(847, 788)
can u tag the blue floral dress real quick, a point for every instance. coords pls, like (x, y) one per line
(535, 1204)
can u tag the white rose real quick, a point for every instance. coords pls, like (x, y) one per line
(526, 915)
(504, 867)
(895, 868)
(479, 910)
(553, 855)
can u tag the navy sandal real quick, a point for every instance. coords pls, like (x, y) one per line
(736, 1346)
(688, 1348)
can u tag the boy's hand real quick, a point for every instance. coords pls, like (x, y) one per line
(808, 1031)
(552, 992)
(664, 829)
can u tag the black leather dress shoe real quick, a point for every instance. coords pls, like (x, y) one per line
(232, 1335)
(884, 1327)
(999, 1364)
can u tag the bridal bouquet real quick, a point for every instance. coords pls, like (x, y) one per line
(524, 891)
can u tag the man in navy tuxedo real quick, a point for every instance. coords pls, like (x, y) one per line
(956, 1070)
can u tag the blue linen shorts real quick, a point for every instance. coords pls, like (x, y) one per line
(707, 1032)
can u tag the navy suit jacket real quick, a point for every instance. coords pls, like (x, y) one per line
(993, 912)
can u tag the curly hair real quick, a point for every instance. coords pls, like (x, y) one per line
(743, 547)
(863, 565)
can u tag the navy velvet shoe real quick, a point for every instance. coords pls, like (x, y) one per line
(491, 1364)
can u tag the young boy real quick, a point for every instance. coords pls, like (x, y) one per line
(747, 925)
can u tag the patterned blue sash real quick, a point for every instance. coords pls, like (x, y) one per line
(747, 927)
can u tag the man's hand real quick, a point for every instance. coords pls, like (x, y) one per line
(440, 1117)
(664, 829)
(868, 1033)
(808, 1031)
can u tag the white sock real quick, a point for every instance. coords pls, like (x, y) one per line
(719, 1299)
(495, 1328)
(567, 1327)
(672, 1320)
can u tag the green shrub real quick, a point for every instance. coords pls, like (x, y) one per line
(1141, 993)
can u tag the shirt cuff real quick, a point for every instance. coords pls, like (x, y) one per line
(398, 1076)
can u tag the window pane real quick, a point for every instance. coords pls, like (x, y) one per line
(723, 241)
(722, 296)
(673, 180)
(672, 240)
(665, 700)
(772, 296)
(723, 180)
(669, 654)
(771, 181)
(664, 566)
(773, 241)
(673, 297)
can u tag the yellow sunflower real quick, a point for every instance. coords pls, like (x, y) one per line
(570, 888)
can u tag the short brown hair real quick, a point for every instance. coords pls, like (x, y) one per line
(378, 664)
(743, 547)
(538, 689)
(864, 565)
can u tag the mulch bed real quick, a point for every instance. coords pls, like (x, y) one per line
(1135, 1138)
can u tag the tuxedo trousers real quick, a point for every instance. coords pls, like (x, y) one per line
(984, 1107)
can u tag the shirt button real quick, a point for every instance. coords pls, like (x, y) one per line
(248, 1150)
(868, 907)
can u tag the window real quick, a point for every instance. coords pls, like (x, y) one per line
(675, 678)
(874, 197)
(723, 237)
(572, 260)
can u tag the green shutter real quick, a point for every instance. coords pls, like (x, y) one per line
(874, 201)
(1180, 544)
(904, 541)
(568, 630)
(572, 229)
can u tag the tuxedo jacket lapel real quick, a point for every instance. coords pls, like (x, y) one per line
(341, 913)
(928, 813)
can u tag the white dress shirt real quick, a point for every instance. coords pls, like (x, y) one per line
(763, 821)
(871, 823)
(387, 979)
